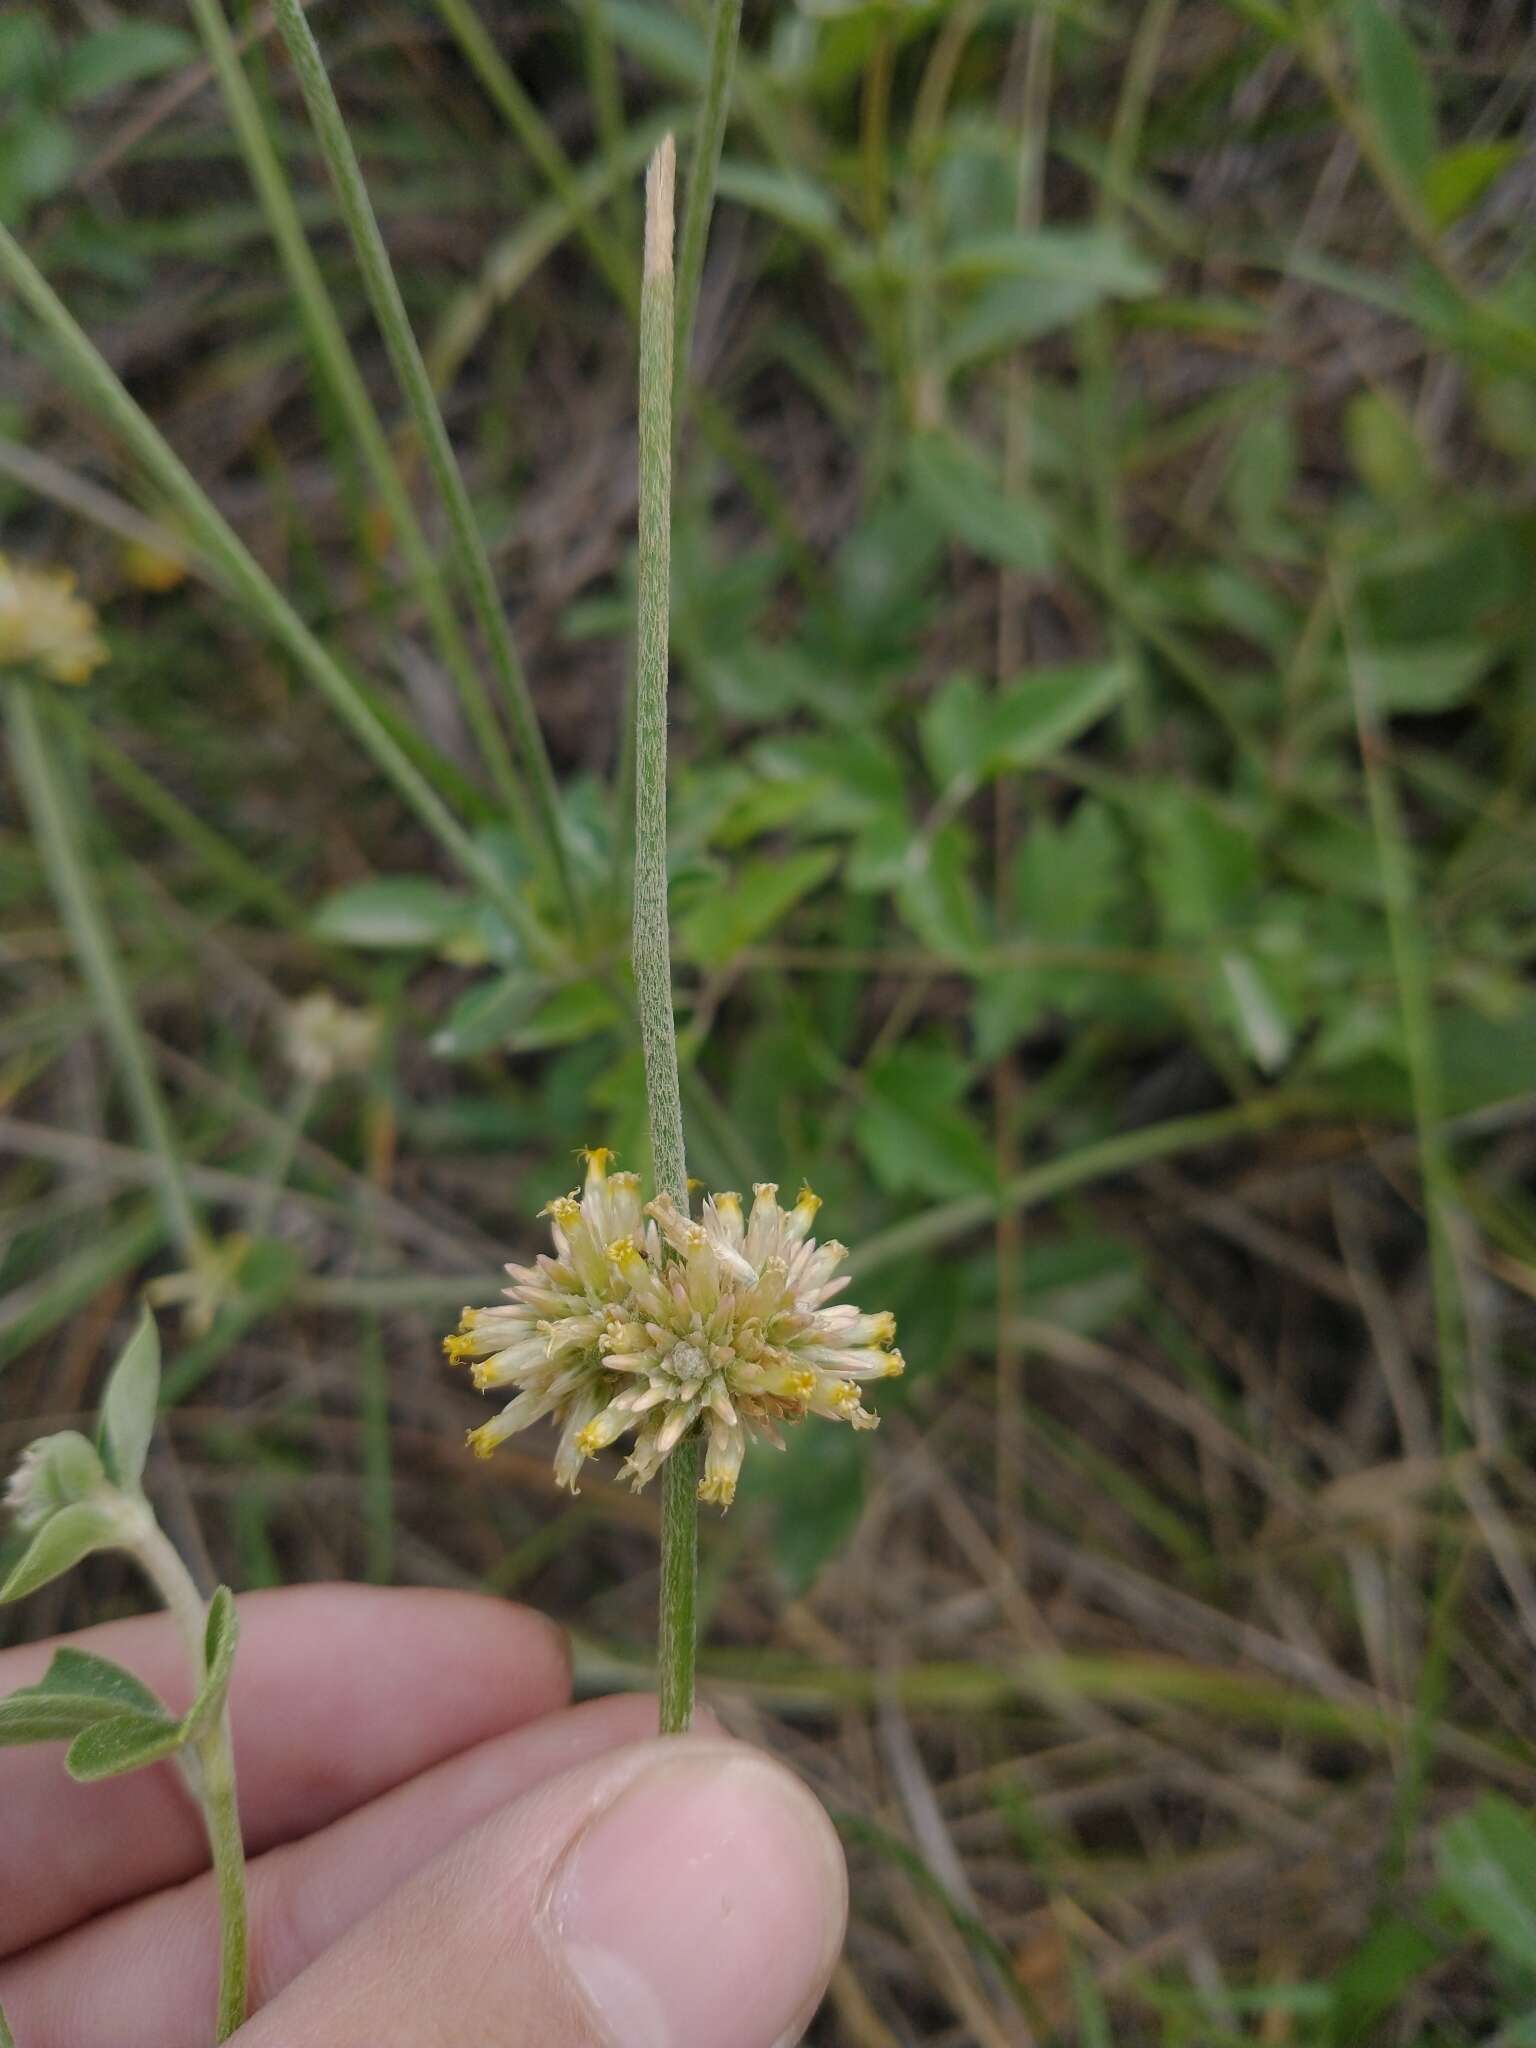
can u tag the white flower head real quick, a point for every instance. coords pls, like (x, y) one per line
(42, 621)
(51, 1474)
(323, 1037)
(647, 1324)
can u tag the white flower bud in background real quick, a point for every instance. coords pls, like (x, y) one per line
(647, 1322)
(323, 1037)
(53, 1473)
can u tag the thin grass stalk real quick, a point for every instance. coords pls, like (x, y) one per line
(1411, 973)
(337, 368)
(651, 947)
(47, 798)
(232, 562)
(703, 174)
(472, 560)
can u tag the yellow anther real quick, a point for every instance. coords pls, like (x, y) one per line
(481, 1442)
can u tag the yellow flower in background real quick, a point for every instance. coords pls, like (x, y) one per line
(647, 1323)
(43, 622)
(152, 569)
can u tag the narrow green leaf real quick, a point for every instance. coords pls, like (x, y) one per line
(74, 1532)
(1395, 89)
(128, 1742)
(130, 1404)
(1460, 176)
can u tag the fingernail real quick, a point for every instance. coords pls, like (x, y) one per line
(705, 1906)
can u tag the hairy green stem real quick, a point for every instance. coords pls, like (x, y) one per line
(338, 370)
(651, 947)
(46, 795)
(214, 1780)
(473, 562)
(703, 171)
(239, 573)
(677, 1616)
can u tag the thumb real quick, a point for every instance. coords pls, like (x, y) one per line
(683, 1893)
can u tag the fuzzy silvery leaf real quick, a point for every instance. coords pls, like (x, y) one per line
(220, 1638)
(130, 1404)
(74, 1532)
(77, 1691)
(128, 1742)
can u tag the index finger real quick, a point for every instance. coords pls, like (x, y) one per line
(340, 1692)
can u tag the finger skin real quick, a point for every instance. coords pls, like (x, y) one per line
(340, 1692)
(682, 1893)
(145, 1975)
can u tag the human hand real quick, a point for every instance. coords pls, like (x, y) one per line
(443, 1853)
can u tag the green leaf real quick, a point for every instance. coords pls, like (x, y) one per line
(960, 492)
(914, 1132)
(37, 154)
(1256, 1010)
(785, 196)
(756, 898)
(27, 51)
(78, 1691)
(1459, 177)
(1423, 679)
(74, 1532)
(1092, 259)
(117, 56)
(1487, 1860)
(486, 1015)
(130, 1404)
(936, 893)
(220, 1638)
(1385, 449)
(970, 734)
(816, 1492)
(1395, 89)
(402, 913)
(129, 1742)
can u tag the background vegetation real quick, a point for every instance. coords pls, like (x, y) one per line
(1104, 736)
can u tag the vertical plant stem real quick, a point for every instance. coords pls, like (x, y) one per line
(703, 170)
(677, 1621)
(473, 562)
(339, 373)
(1410, 969)
(214, 1785)
(651, 947)
(47, 799)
